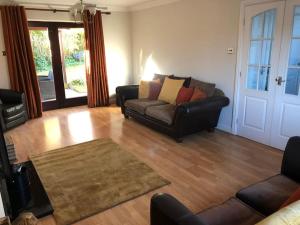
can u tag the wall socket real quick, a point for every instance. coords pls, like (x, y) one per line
(230, 50)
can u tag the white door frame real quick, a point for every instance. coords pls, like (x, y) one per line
(236, 100)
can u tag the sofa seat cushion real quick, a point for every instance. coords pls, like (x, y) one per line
(12, 110)
(231, 212)
(140, 105)
(164, 113)
(267, 196)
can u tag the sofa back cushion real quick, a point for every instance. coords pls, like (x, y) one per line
(161, 77)
(208, 88)
(187, 80)
(289, 215)
(170, 90)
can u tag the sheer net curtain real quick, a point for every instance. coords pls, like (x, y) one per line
(20, 61)
(96, 64)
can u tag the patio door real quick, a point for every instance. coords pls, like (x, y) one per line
(58, 50)
(269, 106)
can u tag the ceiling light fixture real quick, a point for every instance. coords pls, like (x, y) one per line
(78, 10)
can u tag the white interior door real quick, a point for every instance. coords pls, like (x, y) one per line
(286, 118)
(261, 49)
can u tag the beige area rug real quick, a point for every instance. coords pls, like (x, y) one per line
(85, 179)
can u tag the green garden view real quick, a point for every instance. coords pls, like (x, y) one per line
(73, 61)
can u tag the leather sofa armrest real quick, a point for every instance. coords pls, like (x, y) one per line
(167, 210)
(128, 92)
(124, 93)
(11, 97)
(209, 104)
(2, 123)
(291, 159)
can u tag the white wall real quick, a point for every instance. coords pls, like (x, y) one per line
(2, 212)
(189, 38)
(117, 37)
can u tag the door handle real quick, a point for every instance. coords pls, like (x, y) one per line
(279, 80)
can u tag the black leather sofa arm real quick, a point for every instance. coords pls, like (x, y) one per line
(209, 104)
(127, 92)
(290, 163)
(167, 210)
(124, 93)
(11, 97)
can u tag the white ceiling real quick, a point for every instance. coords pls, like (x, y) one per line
(117, 3)
(111, 5)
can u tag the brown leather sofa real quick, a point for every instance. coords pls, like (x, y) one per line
(251, 204)
(13, 111)
(175, 121)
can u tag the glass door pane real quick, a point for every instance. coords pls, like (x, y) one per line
(261, 41)
(293, 72)
(73, 61)
(43, 62)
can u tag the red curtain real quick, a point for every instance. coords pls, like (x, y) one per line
(20, 57)
(96, 64)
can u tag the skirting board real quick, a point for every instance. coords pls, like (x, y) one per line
(224, 127)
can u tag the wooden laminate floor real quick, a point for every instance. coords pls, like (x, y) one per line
(206, 169)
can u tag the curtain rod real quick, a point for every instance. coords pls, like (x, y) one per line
(58, 10)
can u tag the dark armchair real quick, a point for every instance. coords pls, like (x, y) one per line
(251, 205)
(268, 200)
(13, 110)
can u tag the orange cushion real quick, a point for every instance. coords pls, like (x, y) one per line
(293, 198)
(184, 95)
(198, 95)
